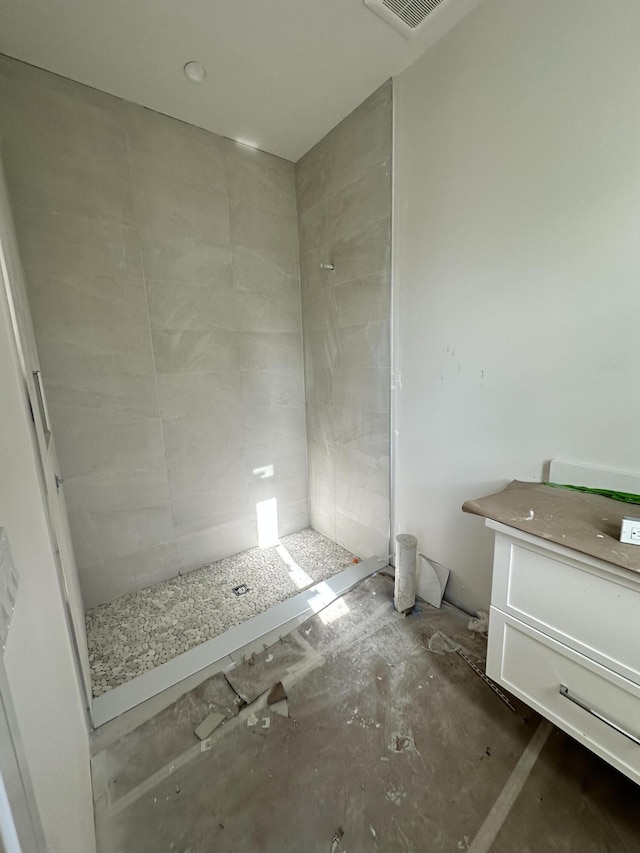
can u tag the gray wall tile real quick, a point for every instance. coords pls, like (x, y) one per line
(104, 581)
(212, 544)
(184, 260)
(100, 535)
(273, 238)
(270, 350)
(145, 308)
(79, 166)
(344, 205)
(199, 392)
(278, 386)
(175, 305)
(260, 180)
(194, 350)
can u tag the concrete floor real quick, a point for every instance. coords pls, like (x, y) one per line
(393, 744)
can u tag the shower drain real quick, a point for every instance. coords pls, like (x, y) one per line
(241, 589)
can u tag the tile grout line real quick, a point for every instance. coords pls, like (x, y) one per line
(494, 821)
(172, 539)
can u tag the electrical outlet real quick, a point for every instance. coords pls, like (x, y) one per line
(630, 531)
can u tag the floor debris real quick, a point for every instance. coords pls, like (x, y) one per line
(208, 725)
(479, 623)
(278, 701)
(286, 787)
(251, 679)
(491, 684)
(276, 694)
(400, 743)
(337, 839)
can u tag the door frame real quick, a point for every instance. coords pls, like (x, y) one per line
(10, 267)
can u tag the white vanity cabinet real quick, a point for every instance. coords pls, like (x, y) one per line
(564, 636)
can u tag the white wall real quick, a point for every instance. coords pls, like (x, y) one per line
(38, 658)
(517, 263)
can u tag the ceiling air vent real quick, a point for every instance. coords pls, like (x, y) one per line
(406, 16)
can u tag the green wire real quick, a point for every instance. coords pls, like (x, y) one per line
(626, 497)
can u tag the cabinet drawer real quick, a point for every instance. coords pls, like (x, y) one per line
(590, 609)
(533, 667)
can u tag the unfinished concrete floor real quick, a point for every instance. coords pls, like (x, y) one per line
(393, 743)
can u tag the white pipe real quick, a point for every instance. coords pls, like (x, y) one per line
(404, 597)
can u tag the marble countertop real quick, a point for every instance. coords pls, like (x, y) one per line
(586, 523)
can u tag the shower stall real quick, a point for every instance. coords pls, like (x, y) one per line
(211, 358)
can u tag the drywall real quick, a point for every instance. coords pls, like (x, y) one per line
(344, 210)
(38, 659)
(517, 201)
(162, 272)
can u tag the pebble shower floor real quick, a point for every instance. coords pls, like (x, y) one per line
(144, 629)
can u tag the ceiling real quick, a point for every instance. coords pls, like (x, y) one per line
(281, 73)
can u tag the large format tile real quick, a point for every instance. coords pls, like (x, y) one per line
(111, 579)
(194, 350)
(275, 387)
(67, 243)
(95, 313)
(271, 236)
(86, 446)
(184, 260)
(322, 501)
(268, 312)
(194, 393)
(259, 179)
(228, 501)
(365, 201)
(100, 535)
(252, 273)
(362, 428)
(109, 397)
(361, 253)
(199, 549)
(362, 389)
(340, 348)
(172, 208)
(79, 166)
(321, 460)
(320, 425)
(286, 490)
(364, 465)
(103, 491)
(362, 540)
(184, 154)
(204, 471)
(293, 517)
(362, 505)
(356, 302)
(286, 454)
(364, 140)
(201, 433)
(320, 351)
(313, 174)
(365, 345)
(182, 306)
(319, 385)
(287, 421)
(362, 300)
(313, 229)
(270, 350)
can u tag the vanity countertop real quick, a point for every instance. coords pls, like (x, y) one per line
(584, 522)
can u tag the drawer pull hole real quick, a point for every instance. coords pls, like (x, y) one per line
(564, 691)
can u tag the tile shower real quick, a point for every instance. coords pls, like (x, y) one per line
(201, 368)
